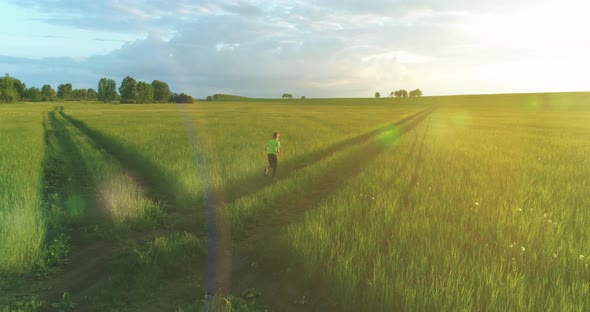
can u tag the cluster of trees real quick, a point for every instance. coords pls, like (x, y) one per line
(182, 98)
(67, 93)
(130, 91)
(11, 89)
(290, 96)
(415, 93)
(402, 93)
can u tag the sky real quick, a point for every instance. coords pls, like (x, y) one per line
(320, 48)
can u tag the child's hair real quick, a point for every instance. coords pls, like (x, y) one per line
(275, 134)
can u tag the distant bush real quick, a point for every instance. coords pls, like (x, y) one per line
(183, 98)
(228, 97)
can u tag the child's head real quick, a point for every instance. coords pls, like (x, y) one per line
(276, 135)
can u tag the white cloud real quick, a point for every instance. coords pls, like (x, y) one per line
(325, 48)
(222, 46)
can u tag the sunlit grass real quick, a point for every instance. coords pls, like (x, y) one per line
(463, 216)
(22, 225)
(117, 194)
(480, 206)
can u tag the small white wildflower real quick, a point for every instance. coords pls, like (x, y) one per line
(581, 257)
(476, 203)
(520, 209)
(511, 245)
(554, 255)
(522, 248)
(531, 209)
(372, 198)
(545, 215)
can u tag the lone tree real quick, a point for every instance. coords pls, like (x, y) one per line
(161, 91)
(145, 92)
(377, 95)
(21, 88)
(183, 98)
(287, 96)
(107, 90)
(400, 93)
(34, 94)
(128, 90)
(64, 91)
(8, 92)
(415, 93)
(48, 93)
(91, 94)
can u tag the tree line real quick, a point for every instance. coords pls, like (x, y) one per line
(130, 91)
(402, 93)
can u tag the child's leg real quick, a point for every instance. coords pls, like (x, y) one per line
(275, 163)
(269, 157)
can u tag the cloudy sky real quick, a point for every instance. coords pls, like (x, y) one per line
(321, 48)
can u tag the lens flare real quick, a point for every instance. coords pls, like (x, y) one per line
(75, 205)
(532, 104)
(461, 119)
(124, 200)
(389, 137)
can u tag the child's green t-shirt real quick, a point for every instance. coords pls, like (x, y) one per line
(273, 146)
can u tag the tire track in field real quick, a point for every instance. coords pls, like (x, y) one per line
(216, 198)
(155, 181)
(359, 160)
(134, 160)
(84, 262)
(90, 261)
(165, 188)
(254, 183)
(417, 164)
(291, 209)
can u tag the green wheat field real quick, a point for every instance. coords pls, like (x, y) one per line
(456, 203)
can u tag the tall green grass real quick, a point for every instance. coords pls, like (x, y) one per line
(229, 138)
(22, 224)
(482, 208)
(112, 190)
(479, 206)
